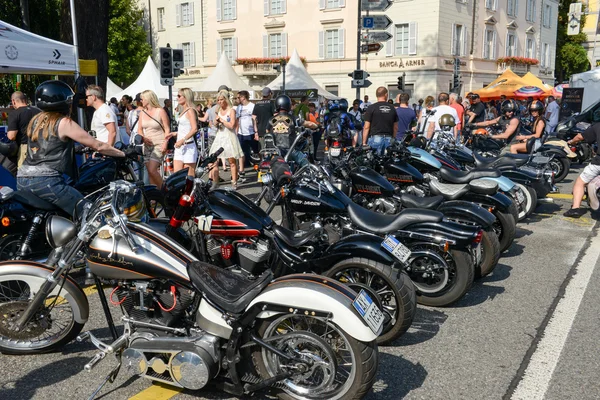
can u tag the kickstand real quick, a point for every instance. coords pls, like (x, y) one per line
(110, 378)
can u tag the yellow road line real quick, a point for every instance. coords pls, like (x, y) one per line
(563, 196)
(158, 391)
(90, 290)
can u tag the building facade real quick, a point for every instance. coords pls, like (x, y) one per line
(592, 29)
(427, 36)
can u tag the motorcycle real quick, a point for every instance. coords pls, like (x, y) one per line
(230, 231)
(187, 322)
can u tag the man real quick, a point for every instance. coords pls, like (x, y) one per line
(499, 104)
(104, 121)
(356, 114)
(476, 112)
(129, 109)
(407, 118)
(262, 114)
(313, 116)
(18, 119)
(301, 110)
(591, 135)
(442, 109)
(552, 112)
(455, 102)
(508, 121)
(366, 103)
(381, 122)
(245, 130)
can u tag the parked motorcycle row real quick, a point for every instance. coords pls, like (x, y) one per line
(213, 289)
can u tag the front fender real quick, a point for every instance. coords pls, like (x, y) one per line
(316, 293)
(465, 210)
(20, 270)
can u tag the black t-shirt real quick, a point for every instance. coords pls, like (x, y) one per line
(382, 116)
(479, 110)
(263, 110)
(592, 135)
(18, 120)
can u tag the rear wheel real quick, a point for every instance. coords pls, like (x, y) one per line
(389, 287)
(561, 167)
(505, 228)
(530, 201)
(490, 249)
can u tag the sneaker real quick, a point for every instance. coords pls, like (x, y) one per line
(242, 178)
(234, 185)
(575, 212)
(213, 186)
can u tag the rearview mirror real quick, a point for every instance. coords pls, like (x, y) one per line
(119, 146)
(138, 140)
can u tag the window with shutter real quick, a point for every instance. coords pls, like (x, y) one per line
(390, 45)
(227, 44)
(191, 12)
(161, 18)
(266, 7)
(401, 42)
(219, 11)
(321, 44)
(275, 45)
(333, 3)
(322, 4)
(177, 14)
(412, 38)
(284, 51)
(227, 9)
(185, 14)
(187, 53)
(219, 48)
(341, 45)
(265, 46)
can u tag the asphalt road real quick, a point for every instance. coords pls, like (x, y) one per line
(528, 331)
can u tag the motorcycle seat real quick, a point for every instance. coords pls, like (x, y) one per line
(483, 186)
(294, 238)
(454, 176)
(30, 200)
(502, 163)
(412, 201)
(517, 156)
(382, 224)
(229, 290)
(448, 190)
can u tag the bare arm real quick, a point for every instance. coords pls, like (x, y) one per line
(232, 119)
(366, 130)
(255, 127)
(165, 121)
(578, 138)
(510, 129)
(487, 123)
(430, 129)
(71, 130)
(112, 133)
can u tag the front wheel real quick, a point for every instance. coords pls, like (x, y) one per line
(389, 287)
(53, 326)
(506, 229)
(490, 249)
(338, 366)
(560, 167)
(530, 201)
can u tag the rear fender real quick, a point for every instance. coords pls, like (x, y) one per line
(465, 210)
(504, 183)
(458, 235)
(20, 270)
(358, 245)
(304, 293)
(497, 200)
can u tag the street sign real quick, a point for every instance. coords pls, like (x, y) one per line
(371, 48)
(377, 36)
(167, 81)
(361, 83)
(375, 5)
(574, 17)
(379, 22)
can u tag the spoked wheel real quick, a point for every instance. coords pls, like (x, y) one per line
(10, 248)
(51, 327)
(441, 278)
(336, 367)
(155, 203)
(560, 167)
(389, 287)
(530, 201)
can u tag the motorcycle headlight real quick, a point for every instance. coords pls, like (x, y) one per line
(266, 178)
(59, 231)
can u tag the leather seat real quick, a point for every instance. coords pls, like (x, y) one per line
(30, 200)
(429, 203)
(450, 191)
(454, 176)
(383, 224)
(501, 163)
(483, 186)
(294, 238)
(229, 290)
(517, 156)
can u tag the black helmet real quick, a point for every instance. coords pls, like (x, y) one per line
(447, 121)
(54, 96)
(509, 105)
(343, 104)
(536, 105)
(283, 103)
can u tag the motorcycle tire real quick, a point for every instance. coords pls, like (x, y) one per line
(404, 295)
(36, 274)
(366, 364)
(460, 270)
(530, 201)
(156, 204)
(506, 229)
(561, 167)
(490, 246)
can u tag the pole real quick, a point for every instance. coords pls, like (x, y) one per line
(283, 64)
(358, 35)
(80, 117)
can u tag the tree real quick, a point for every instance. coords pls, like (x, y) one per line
(128, 48)
(571, 57)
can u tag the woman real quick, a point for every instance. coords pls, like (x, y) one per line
(536, 110)
(186, 151)
(429, 104)
(490, 112)
(51, 135)
(155, 130)
(226, 138)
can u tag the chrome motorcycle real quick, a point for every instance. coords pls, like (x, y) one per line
(187, 322)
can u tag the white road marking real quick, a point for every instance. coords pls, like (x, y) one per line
(538, 374)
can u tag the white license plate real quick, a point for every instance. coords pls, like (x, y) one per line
(335, 152)
(369, 311)
(398, 250)
(520, 197)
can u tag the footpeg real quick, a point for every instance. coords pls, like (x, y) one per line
(103, 347)
(97, 358)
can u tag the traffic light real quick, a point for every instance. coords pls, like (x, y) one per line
(401, 82)
(166, 62)
(455, 81)
(177, 62)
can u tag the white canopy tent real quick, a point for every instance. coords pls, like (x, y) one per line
(112, 90)
(297, 78)
(28, 53)
(149, 79)
(589, 80)
(223, 74)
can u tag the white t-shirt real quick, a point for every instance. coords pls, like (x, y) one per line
(364, 105)
(244, 116)
(554, 109)
(102, 116)
(442, 110)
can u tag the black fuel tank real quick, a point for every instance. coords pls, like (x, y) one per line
(305, 199)
(95, 174)
(399, 171)
(366, 180)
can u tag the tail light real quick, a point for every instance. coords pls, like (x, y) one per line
(478, 237)
(226, 251)
(336, 143)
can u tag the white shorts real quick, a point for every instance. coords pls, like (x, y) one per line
(590, 172)
(188, 153)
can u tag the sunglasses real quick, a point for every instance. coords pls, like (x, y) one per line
(88, 95)
(179, 96)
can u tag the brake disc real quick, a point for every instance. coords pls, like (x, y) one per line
(10, 314)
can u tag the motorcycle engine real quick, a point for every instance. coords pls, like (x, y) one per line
(250, 255)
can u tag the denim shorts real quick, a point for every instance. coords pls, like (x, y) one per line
(379, 143)
(53, 189)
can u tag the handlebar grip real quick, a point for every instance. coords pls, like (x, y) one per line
(218, 152)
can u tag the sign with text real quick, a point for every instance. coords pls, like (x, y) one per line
(380, 22)
(377, 36)
(371, 48)
(400, 63)
(375, 5)
(571, 102)
(312, 94)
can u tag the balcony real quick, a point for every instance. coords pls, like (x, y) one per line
(259, 69)
(518, 65)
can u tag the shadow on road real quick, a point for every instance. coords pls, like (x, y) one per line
(482, 291)
(425, 326)
(397, 378)
(514, 250)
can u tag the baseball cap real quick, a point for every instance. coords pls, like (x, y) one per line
(266, 92)
(138, 97)
(224, 87)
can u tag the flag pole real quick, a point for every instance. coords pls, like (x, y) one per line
(80, 117)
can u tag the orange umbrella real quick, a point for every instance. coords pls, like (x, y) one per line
(505, 85)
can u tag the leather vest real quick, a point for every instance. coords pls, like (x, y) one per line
(51, 153)
(283, 129)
